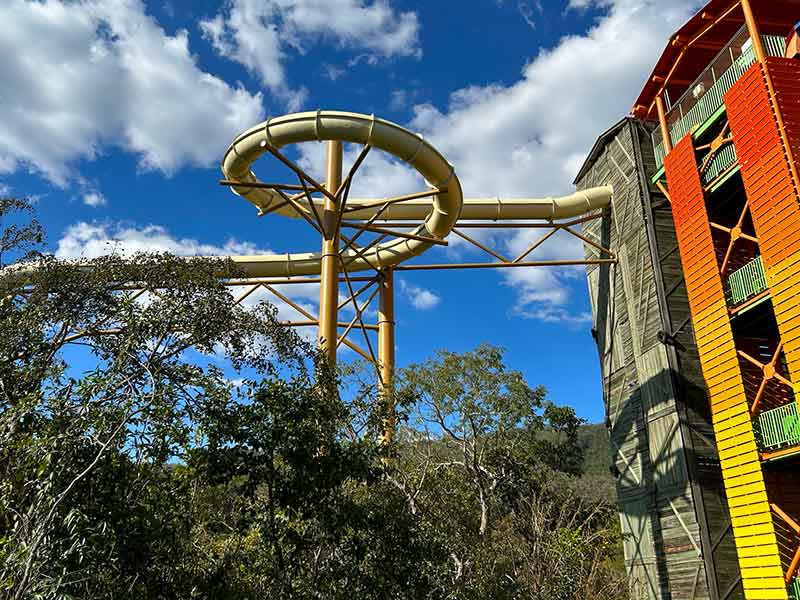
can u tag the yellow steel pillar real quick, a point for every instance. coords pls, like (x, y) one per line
(662, 120)
(386, 349)
(752, 29)
(329, 285)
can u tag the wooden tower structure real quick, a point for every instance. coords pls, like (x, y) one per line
(669, 483)
(719, 176)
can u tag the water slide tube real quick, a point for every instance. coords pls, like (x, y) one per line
(437, 216)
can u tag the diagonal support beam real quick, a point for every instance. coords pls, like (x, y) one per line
(358, 310)
(535, 245)
(480, 246)
(410, 236)
(396, 199)
(359, 317)
(298, 171)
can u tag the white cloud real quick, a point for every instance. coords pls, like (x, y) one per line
(529, 138)
(420, 298)
(259, 33)
(94, 199)
(402, 99)
(584, 4)
(381, 175)
(332, 72)
(90, 240)
(558, 315)
(96, 74)
(529, 12)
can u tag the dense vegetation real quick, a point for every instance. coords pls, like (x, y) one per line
(132, 466)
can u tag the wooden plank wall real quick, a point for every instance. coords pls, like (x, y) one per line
(656, 499)
(741, 468)
(678, 333)
(772, 193)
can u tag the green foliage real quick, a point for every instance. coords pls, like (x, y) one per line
(132, 467)
(489, 465)
(596, 481)
(21, 235)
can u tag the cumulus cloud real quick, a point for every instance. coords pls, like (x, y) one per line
(381, 175)
(90, 240)
(419, 297)
(94, 199)
(258, 34)
(105, 74)
(85, 240)
(543, 290)
(402, 98)
(530, 138)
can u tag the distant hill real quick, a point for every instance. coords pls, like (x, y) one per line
(594, 439)
(596, 481)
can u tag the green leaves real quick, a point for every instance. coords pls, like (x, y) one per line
(17, 237)
(99, 398)
(486, 461)
(132, 467)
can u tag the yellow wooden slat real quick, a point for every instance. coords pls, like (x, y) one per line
(768, 594)
(731, 417)
(762, 572)
(749, 509)
(740, 459)
(762, 547)
(753, 530)
(768, 584)
(751, 562)
(736, 435)
(750, 489)
(744, 451)
(743, 470)
(760, 518)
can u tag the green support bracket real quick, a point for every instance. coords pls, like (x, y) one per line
(746, 282)
(778, 428)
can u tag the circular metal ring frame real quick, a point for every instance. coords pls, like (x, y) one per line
(360, 129)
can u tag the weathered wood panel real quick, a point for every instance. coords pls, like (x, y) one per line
(702, 460)
(662, 442)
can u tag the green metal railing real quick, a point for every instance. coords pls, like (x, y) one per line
(794, 589)
(746, 282)
(778, 428)
(688, 113)
(721, 161)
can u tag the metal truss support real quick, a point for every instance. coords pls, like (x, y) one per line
(329, 287)
(386, 349)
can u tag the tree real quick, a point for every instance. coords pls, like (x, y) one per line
(159, 441)
(131, 466)
(310, 501)
(121, 417)
(483, 419)
(485, 461)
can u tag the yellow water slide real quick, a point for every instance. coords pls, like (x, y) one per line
(436, 216)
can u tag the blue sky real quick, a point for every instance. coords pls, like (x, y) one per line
(114, 115)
